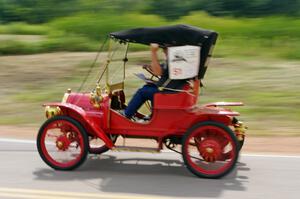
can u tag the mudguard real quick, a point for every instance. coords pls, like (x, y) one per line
(215, 104)
(86, 119)
(213, 113)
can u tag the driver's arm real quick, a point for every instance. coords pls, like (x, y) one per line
(155, 66)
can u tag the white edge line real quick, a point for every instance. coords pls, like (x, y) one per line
(163, 151)
(17, 140)
(269, 155)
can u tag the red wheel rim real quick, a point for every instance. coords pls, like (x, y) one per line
(210, 150)
(62, 143)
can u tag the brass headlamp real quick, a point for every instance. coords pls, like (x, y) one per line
(96, 97)
(52, 111)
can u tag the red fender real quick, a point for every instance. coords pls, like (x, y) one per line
(212, 110)
(217, 114)
(89, 122)
(225, 104)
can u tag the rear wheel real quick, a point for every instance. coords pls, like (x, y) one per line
(210, 149)
(97, 146)
(241, 143)
(62, 143)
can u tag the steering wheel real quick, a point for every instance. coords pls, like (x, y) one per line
(148, 69)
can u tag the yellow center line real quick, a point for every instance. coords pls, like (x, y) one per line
(45, 194)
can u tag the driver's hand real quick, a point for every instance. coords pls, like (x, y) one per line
(154, 47)
(146, 66)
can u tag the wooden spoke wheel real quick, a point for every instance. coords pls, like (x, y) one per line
(210, 149)
(62, 143)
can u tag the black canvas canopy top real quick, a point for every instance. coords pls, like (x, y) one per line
(176, 35)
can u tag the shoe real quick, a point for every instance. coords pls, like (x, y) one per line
(147, 117)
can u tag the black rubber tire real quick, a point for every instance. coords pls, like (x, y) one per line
(216, 124)
(98, 150)
(101, 149)
(241, 143)
(81, 130)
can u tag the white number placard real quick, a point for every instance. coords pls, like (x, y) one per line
(183, 61)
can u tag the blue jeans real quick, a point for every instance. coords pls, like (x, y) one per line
(140, 97)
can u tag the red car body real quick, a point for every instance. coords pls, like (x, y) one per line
(173, 114)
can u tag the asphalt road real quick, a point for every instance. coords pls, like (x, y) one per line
(124, 175)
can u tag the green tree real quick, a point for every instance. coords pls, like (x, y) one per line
(36, 11)
(170, 9)
(173, 9)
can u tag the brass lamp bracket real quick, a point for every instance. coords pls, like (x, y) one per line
(96, 97)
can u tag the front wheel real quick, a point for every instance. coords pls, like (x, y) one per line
(62, 143)
(210, 149)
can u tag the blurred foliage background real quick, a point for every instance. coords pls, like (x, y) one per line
(78, 25)
(257, 53)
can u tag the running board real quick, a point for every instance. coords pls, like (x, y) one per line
(136, 149)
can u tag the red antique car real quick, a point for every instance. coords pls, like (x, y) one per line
(210, 135)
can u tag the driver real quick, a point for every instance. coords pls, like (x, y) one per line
(148, 90)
